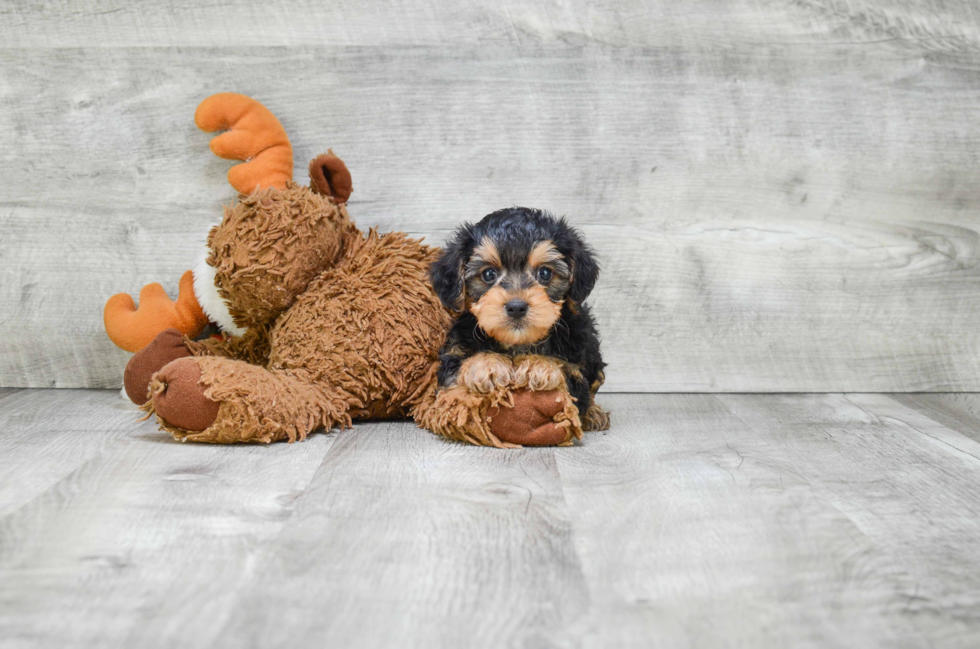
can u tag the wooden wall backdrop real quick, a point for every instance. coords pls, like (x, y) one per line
(784, 193)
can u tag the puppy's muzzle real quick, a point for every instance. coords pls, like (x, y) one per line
(516, 309)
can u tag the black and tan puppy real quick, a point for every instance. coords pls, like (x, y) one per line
(518, 280)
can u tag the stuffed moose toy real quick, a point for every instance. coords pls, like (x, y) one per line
(321, 323)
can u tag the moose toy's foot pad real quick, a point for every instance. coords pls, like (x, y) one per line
(178, 396)
(167, 346)
(531, 422)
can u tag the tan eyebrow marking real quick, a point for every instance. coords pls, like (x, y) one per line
(542, 253)
(487, 251)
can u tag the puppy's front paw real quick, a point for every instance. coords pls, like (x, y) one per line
(484, 373)
(538, 373)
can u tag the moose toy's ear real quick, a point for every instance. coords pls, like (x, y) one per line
(447, 272)
(329, 176)
(585, 269)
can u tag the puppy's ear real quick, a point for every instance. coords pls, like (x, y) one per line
(447, 271)
(585, 269)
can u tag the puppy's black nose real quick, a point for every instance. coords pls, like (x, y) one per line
(516, 308)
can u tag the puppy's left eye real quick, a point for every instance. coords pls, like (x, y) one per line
(544, 274)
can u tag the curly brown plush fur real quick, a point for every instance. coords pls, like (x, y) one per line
(339, 326)
(504, 404)
(270, 246)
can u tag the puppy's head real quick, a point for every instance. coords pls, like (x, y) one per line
(514, 270)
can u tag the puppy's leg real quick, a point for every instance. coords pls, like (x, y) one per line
(595, 418)
(485, 373)
(538, 373)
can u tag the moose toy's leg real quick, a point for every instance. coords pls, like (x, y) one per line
(531, 408)
(540, 373)
(224, 401)
(505, 418)
(543, 410)
(170, 344)
(167, 346)
(547, 418)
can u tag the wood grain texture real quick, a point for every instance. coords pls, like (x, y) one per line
(960, 412)
(720, 529)
(783, 195)
(739, 520)
(948, 26)
(141, 541)
(405, 539)
(880, 465)
(38, 454)
(922, 425)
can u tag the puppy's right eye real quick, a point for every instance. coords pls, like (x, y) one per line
(489, 275)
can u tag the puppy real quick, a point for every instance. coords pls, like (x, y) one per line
(518, 280)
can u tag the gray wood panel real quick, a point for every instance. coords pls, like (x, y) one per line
(743, 523)
(879, 464)
(403, 539)
(739, 520)
(961, 412)
(46, 435)
(140, 540)
(944, 26)
(783, 195)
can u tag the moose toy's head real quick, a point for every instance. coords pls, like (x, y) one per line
(270, 244)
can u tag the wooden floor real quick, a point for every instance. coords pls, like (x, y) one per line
(698, 520)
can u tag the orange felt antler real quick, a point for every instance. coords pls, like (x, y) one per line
(133, 329)
(252, 134)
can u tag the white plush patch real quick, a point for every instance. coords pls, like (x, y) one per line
(213, 305)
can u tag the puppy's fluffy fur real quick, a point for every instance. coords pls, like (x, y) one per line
(517, 281)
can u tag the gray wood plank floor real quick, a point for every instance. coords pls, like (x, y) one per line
(698, 520)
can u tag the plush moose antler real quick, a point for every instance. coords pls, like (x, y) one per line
(133, 329)
(253, 135)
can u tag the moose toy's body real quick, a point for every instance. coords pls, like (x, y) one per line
(357, 338)
(324, 324)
